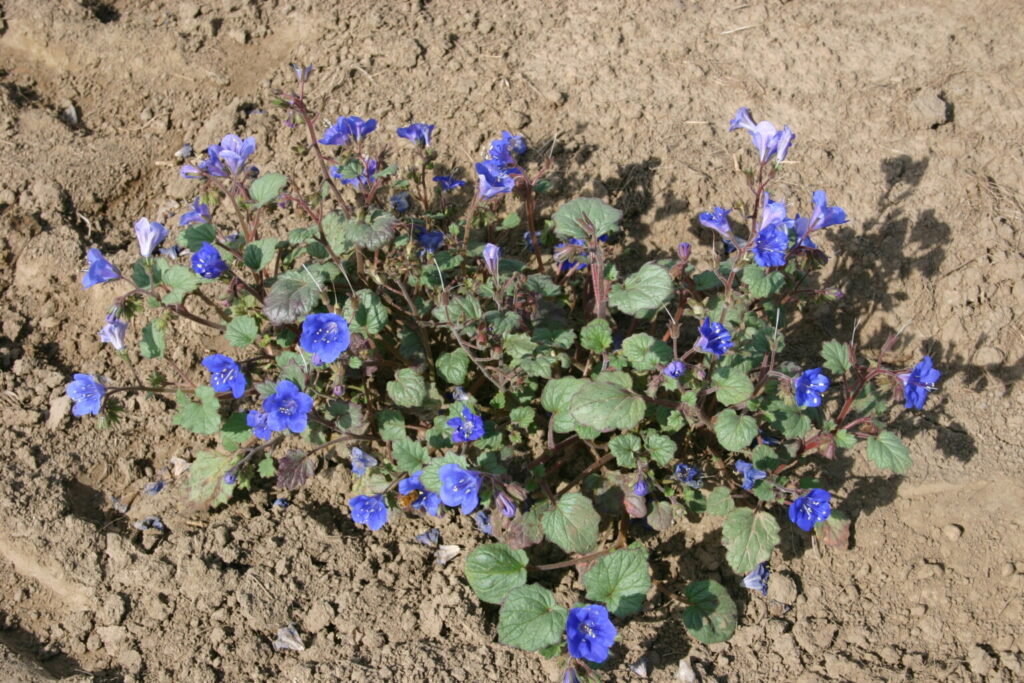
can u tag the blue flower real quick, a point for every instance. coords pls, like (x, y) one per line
(459, 488)
(418, 133)
(113, 332)
(822, 216)
(429, 240)
(808, 510)
(287, 408)
(367, 177)
(714, 338)
(257, 422)
(225, 375)
(482, 518)
(640, 487)
(361, 460)
(717, 220)
(447, 183)
(564, 252)
(918, 382)
(770, 246)
(369, 510)
(810, 386)
(153, 487)
(87, 393)
(400, 202)
(757, 579)
(200, 213)
(506, 504)
(325, 335)
(768, 141)
(100, 269)
(232, 153)
(750, 474)
(688, 475)
(150, 235)
(348, 127)
(431, 537)
(495, 178)
(208, 263)
(675, 369)
(505, 149)
(426, 501)
(590, 633)
(469, 427)
(492, 255)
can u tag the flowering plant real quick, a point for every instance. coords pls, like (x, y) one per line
(568, 402)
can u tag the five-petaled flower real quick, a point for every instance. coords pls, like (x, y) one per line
(469, 427)
(400, 202)
(420, 497)
(361, 460)
(448, 183)
(675, 369)
(768, 141)
(150, 234)
(459, 487)
(257, 422)
(369, 510)
(100, 269)
(325, 335)
(808, 510)
(87, 393)
(200, 213)
(227, 158)
(751, 474)
(772, 240)
(822, 216)
(505, 149)
(346, 128)
(810, 386)
(718, 220)
(417, 132)
(918, 382)
(495, 178)
(287, 408)
(225, 375)
(757, 579)
(713, 337)
(113, 332)
(590, 633)
(207, 262)
(688, 475)
(429, 240)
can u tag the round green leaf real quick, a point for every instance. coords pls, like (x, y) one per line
(711, 614)
(530, 619)
(495, 569)
(642, 292)
(606, 406)
(733, 431)
(749, 538)
(620, 580)
(407, 389)
(572, 524)
(573, 218)
(888, 453)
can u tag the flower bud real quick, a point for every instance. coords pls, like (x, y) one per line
(683, 251)
(492, 254)
(507, 505)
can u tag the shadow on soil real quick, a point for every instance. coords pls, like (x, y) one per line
(25, 645)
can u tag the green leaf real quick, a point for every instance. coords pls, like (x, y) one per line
(530, 619)
(242, 331)
(887, 452)
(409, 455)
(620, 580)
(266, 467)
(460, 310)
(259, 254)
(153, 344)
(645, 353)
(453, 366)
(543, 285)
(518, 345)
(182, 281)
(495, 569)
(625, 447)
(795, 424)
(235, 432)
(511, 221)
(267, 188)
(732, 385)
(749, 538)
(199, 418)
(193, 236)
(292, 295)
(558, 393)
(366, 313)
(605, 406)
(342, 235)
(733, 431)
(661, 516)
(765, 458)
(575, 217)
(845, 439)
(642, 292)
(720, 502)
(596, 335)
(572, 524)
(761, 283)
(206, 478)
(407, 389)
(836, 356)
(661, 448)
(710, 616)
(522, 416)
(390, 425)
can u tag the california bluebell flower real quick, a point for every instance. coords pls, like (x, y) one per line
(152, 522)
(400, 202)
(361, 461)
(417, 132)
(590, 633)
(718, 220)
(207, 262)
(506, 505)
(87, 392)
(150, 234)
(675, 369)
(751, 474)
(113, 332)
(768, 141)
(200, 213)
(430, 537)
(459, 487)
(281, 502)
(229, 157)
(757, 579)
(688, 475)
(287, 408)
(429, 240)
(257, 422)
(231, 478)
(448, 183)
(100, 269)
(570, 676)
(822, 216)
(365, 178)
(348, 128)
(469, 427)
(770, 246)
(810, 386)
(153, 487)
(225, 375)
(482, 518)
(506, 148)
(918, 382)
(325, 335)
(495, 178)
(640, 487)
(492, 255)
(713, 337)
(369, 510)
(302, 72)
(564, 253)
(808, 510)
(426, 501)
(683, 250)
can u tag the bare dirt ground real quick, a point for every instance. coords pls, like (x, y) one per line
(909, 113)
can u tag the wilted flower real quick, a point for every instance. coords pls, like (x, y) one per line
(447, 183)
(361, 461)
(113, 332)
(751, 474)
(200, 213)
(257, 422)
(492, 255)
(688, 475)
(757, 579)
(768, 141)
(150, 234)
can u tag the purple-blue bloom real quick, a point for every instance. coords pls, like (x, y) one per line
(822, 216)
(257, 422)
(367, 177)
(150, 234)
(346, 128)
(113, 332)
(418, 133)
(430, 537)
(768, 141)
(469, 427)
(429, 240)
(506, 505)
(200, 213)
(757, 579)
(287, 408)
(770, 246)
(369, 510)
(482, 518)
(207, 262)
(590, 633)
(492, 255)
(426, 501)
(231, 478)
(675, 369)
(325, 335)
(400, 202)
(505, 149)
(87, 393)
(713, 337)
(918, 382)
(808, 510)
(153, 487)
(225, 375)
(100, 269)
(459, 488)
(361, 460)
(751, 474)
(448, 183)
(495, 178)
(718, 220)
(227, 158)
(640, 487)
(810, 386)
(688, 475)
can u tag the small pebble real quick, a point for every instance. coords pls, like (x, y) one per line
(953, 532)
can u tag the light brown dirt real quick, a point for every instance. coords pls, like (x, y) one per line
(910, 114)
